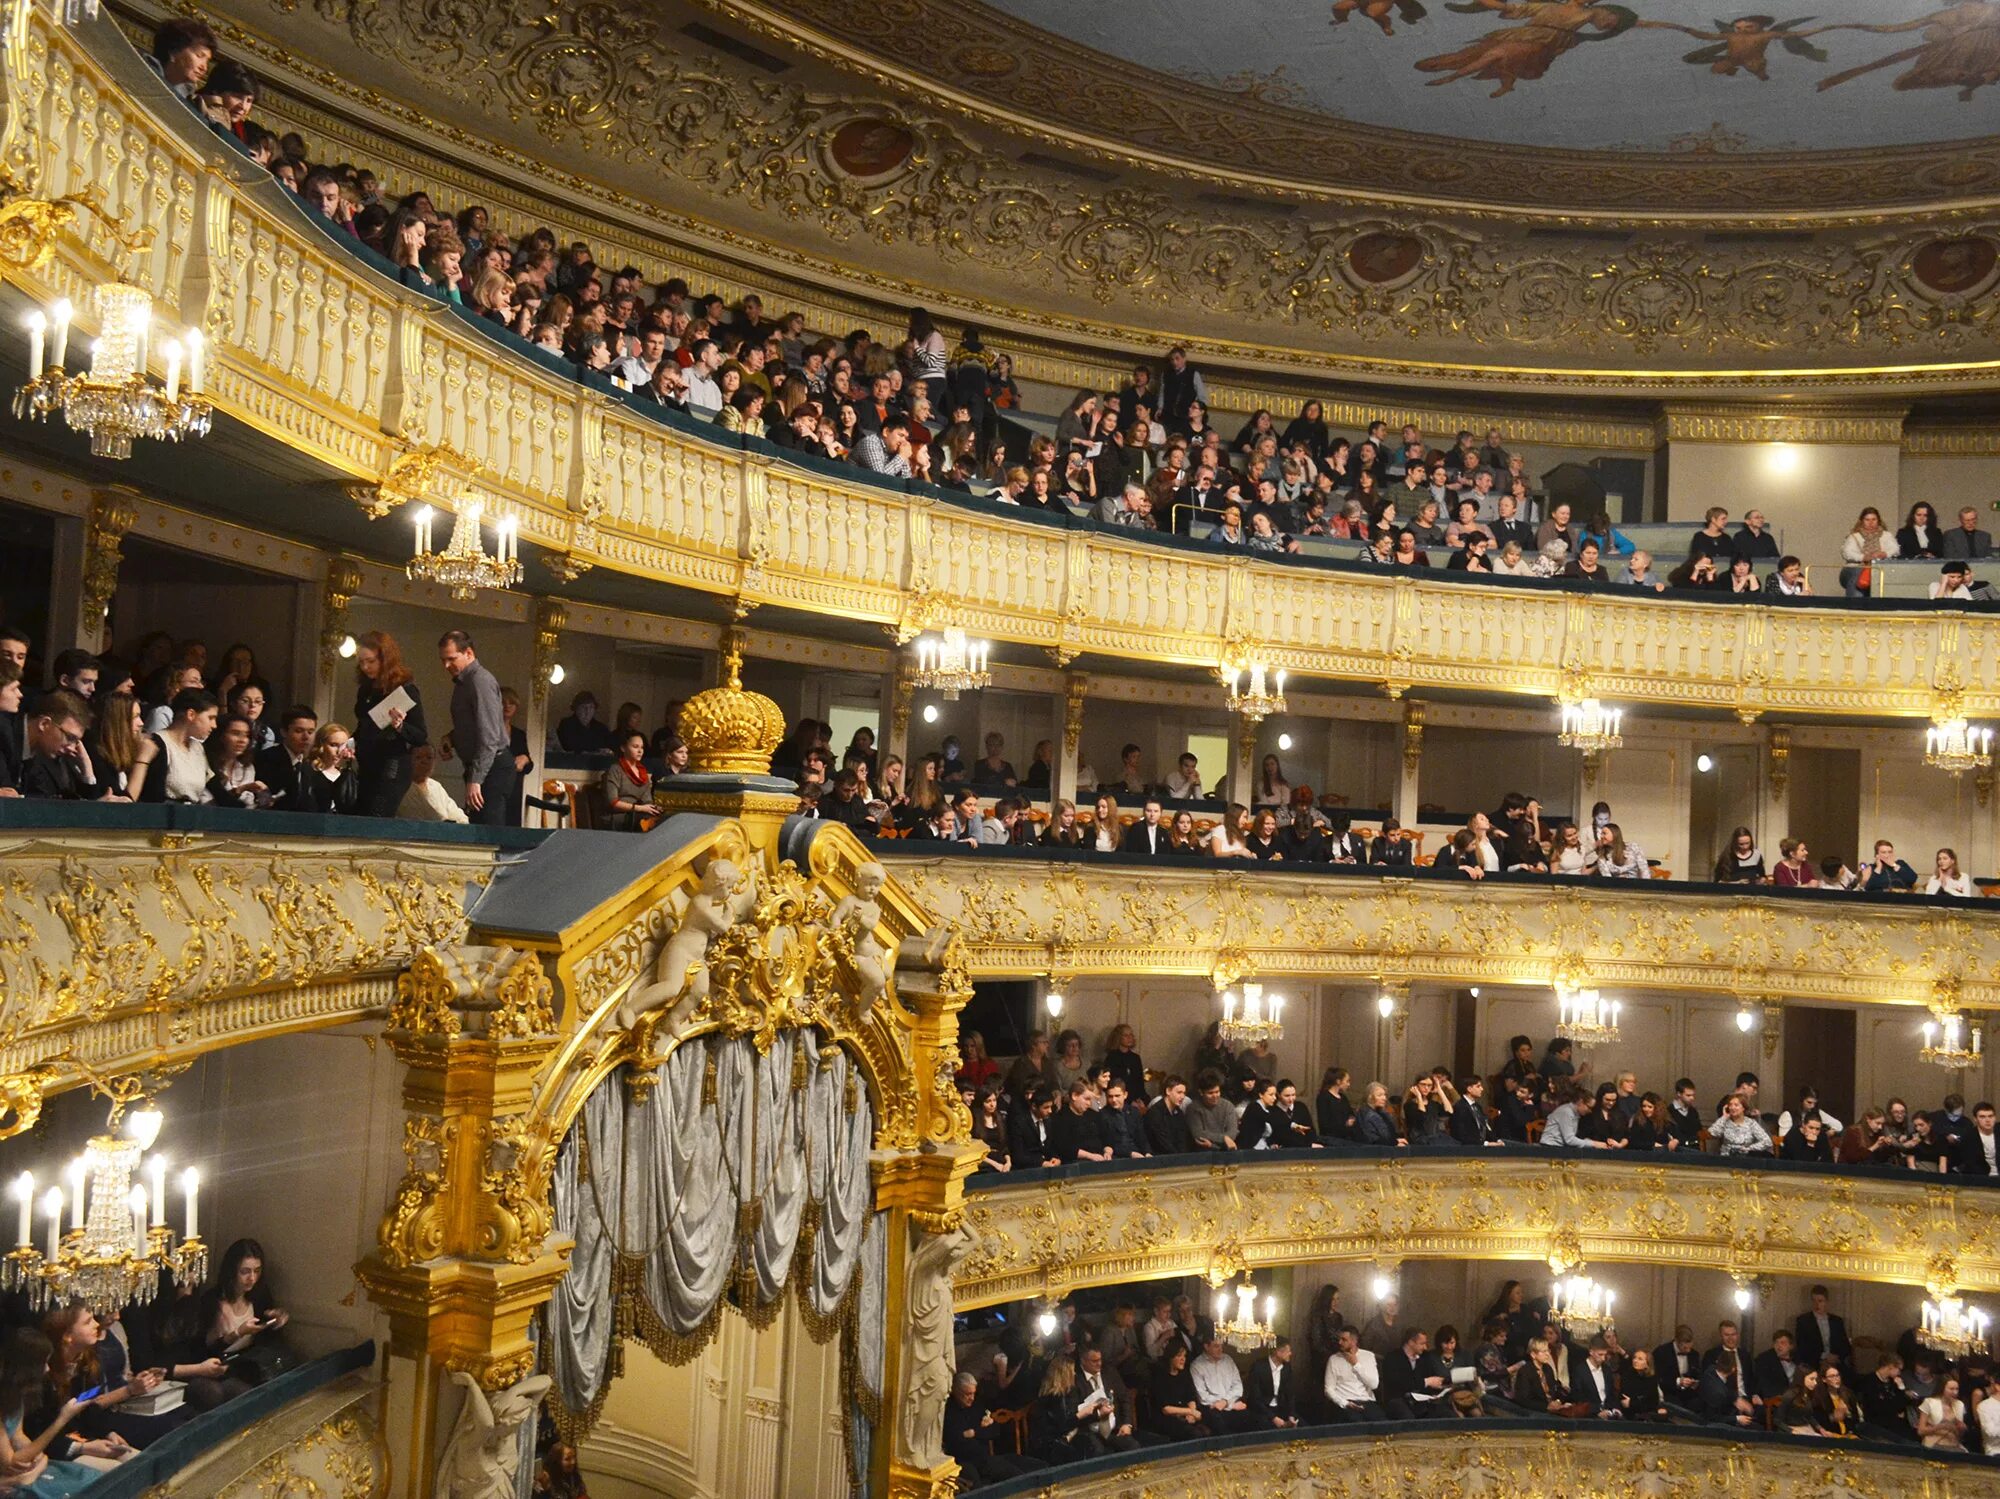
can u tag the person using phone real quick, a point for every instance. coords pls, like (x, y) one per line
(91, 1366)
(26, 1466)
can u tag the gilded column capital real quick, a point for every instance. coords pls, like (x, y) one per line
(550, 619)
(1076, 690)
(113, 513)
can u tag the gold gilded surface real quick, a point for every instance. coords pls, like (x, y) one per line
(115, 951)
(1033, 1238)
(728, 729)
(326, 1445)
(1444, 1460)
(1624, 935)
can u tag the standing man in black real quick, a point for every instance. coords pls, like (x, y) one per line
(478, 731)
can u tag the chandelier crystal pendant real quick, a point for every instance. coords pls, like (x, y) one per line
(1957, 746)
(118, 1243)
(1580, 1306)
(1950, 1041)
(116, 400)
(1255, 691)
(463, 566)
(1252, 1016)
(1591, 727)
(1239, 1325)
(1586, 1017)
(1953, 1328)
(949, 663)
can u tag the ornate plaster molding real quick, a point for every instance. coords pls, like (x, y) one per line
(1470, 1462)
(1734, 424)
(119, 950)
(1158, 919)
(1049, 1237)
(328, 1444)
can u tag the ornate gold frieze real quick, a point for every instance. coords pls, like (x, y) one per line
(1585, 1457)
(1781, 424)
(114, 950)
(1035, 1238)
(1481, 300)
(1366, 930)
(328, 1445)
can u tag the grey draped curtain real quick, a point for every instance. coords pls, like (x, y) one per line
(741, 1174)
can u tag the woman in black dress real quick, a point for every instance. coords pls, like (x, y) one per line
(383, 750)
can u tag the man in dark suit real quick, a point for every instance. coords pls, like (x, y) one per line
(1105, 1422)
(1166, 1120)
(1270, 1389)
(1820, 1332)
(1148, 836)
(1772, 1374)
(1979, 1152)
(1469, 1124)
(1408, 1387)
(1594, 1383)
(58, 767)
(968, 1437)
(1029, 1138)
(1966, 540)
(1677, 1366)
(283, 768)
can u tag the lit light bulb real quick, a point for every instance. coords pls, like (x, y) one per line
(1474, 991)
(1381, 1286)
(1385, 1006)
(556, 675)
(930, 713)
(143, 1126)
(1045, 1324)
(1742, 1298)
(1704, 763)
(348, 647)
(1284, 741)
(1745, 1021)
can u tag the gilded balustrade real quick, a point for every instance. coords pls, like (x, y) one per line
(1050, 1233)
(1521, 1461)
(1128, 917)
(324, 355)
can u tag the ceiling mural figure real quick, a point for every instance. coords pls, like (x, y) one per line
(1960, 49)
(1409, 12)
(1743, 45)
(1548, 29)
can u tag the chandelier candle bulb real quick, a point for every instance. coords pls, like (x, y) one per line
(191, 1184)
(157, 1169)
(196, 362)
(59, 316)
(423, 522)
(52, 1204)
(171, 349)
(79, 1173)
(24, 1194)
(37, 327)
(137, 1202)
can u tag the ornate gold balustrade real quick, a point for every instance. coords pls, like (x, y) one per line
(120, 951)
(1023, 916)
(326, 356)
(1484, 1462)
(1048, 1234)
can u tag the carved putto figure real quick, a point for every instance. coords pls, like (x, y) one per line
(680, 975)
(857, 916)
(481, 1457)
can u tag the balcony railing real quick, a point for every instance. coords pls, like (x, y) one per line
(318, 350)
(1051, 1231)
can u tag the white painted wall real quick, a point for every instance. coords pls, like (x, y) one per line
(1810, 491)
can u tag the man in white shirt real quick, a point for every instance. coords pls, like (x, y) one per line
(1103, 1406)
(636, 369)
(1599, 1386)
(1351, 1380)
(1218, 1386)
(1185, 783)
(703, 394)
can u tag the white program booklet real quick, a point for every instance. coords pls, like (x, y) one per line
(398, 701)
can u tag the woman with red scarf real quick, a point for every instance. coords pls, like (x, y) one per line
(628, 787)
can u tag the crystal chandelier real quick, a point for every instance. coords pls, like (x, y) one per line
(1953, 1328)
(118, 1241)
(1580, 1306)
(1586, 1017)
(1240, 1327)
(1258, 698)
(116, 400)
(949, 663)
(1958, 746)
(1590, 726)
(1950, 1042)
(463, 565)
(1252, 1017)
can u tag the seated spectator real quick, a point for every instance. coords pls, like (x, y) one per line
(1920, 537)
(583, 732)
(234, 782)
(332, 780)
(1867, 544)
(1177, 1413)
(968, 1437)
(1063, 830)
(1352, 1379)
(171, 764)
(1697, 574)
(627, 787)
(57, 765)
(425, 800)
(1794, 868)
(1886, 873)
(1808, 1142)
(1949, 879)
(1788, 580)
(1737, 1132)
(1212, 1123)
(1741, 862)
(1374, 1124)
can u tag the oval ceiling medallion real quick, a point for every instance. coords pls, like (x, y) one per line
(1382, 259)
(1956, 267)
(985, 62)
(871, 147)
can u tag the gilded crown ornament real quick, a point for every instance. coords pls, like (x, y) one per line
(729, 730)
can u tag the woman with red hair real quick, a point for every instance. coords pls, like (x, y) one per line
(383, 747)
